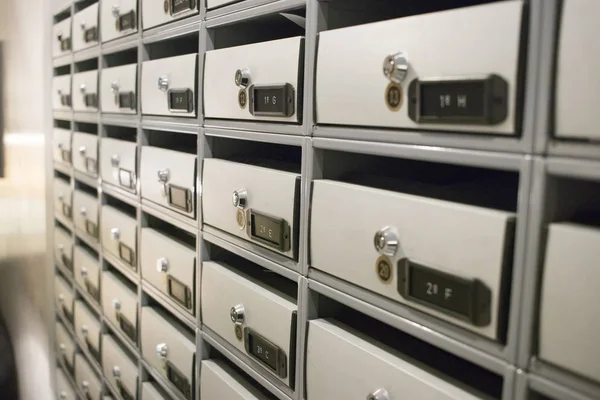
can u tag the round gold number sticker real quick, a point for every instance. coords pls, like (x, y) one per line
(383, 267)
(242, 98)
(393, 96)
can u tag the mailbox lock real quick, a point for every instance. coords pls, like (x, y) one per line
(82, 150)
(166, 6)
(85, 386)
(59, 35)
(162, 350)
(379, 394)
(163, 175)
(115, 160)
(61, 298)
(163, 83)
(62, 395)
(239, 198)
(162, 264)
(61, 248)
(82, 88)
(395, 67)
(116, 371)
(242, 78)
(62, 348)
(116, 304)
(83, 211)
(237, 314)
(115, 233)
(84, 330)
(84, 272)
(114, 86)
(82, 25)
(386, 241)
(115, 11)
(61, 197)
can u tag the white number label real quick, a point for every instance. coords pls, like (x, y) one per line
(432, 288)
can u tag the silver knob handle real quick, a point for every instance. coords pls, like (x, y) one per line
(62, 395)
(115, 233)
(116, 371)
(62, 347)
(115, 160)
(83, 211)
(61, 298)
(61, 248)
(242, 78)
(115, 11)
(239, 198)
(61, 146)
(163, 83)
(82, 88)
(162, 350)
(84, 330)
(379, 394)
(162, 264)
(84, 271)
(386, 241)
(114, 86)
(237, 314)
(163, 175)
(395, 67)
(85, 386)
(59, 35)
(116, 303)
(61, 197)
(59, 91)
(82, 150)
(82, 25)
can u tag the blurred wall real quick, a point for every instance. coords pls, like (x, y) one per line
(24, 274)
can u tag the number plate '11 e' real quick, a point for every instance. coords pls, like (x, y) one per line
(466, 299)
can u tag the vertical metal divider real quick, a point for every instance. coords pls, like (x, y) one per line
(520, 388)
(509, 383)
(530, 278)
(548, 36)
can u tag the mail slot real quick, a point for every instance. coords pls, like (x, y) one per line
(401, 75)
(118, 89)
(254, 203)
(258, 321)
(169, 86)
(260, 81)
(568, 299)
(386, 248)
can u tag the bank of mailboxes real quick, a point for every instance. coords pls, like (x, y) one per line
(156, 13)
(65, 346)
(64, 297)
(258, 321)
(61, 145)
(64, 390)
(415, 250)
(63, 248)
(170, 266)
(168, 86)
(254, 203)
(63, 197)
(85, 214)
(88, 328)
(85, 28)
(220, 381)
(118, 18)
(85, 157)
(118, 163)
(119, 235)
(87, 271)
(61, 40)
(568, 335)
(118, 89)
(87, 381)
(574, 111)
(168, 178)
(403, 76)
(169, 349)
(61, 92)
(260, 81)
(119, 305)
(336, 353)
(85, 91)
(120, 371)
